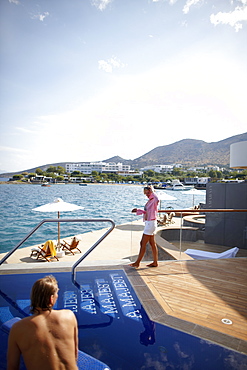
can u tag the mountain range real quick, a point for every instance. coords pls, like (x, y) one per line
(188, 152)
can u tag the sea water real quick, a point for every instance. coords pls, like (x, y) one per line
(17, 217)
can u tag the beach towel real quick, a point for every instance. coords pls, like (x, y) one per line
(49, 246)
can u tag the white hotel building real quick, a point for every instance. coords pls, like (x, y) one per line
(159, 168)
(101, 167)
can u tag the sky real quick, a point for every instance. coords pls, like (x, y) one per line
(86, 80)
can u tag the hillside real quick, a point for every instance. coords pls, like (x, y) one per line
(188, 152)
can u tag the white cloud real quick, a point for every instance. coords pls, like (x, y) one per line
(40, 17)
(109, 64)
(105, 66)
(101, 4)
(234, 19)
(184, 23)
(11, 149)
(14, 2)
(18, 159)
(171, 2)
(27, 130)
(190, 3)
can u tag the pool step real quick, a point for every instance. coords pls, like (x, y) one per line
(5, 314)
(24, 305)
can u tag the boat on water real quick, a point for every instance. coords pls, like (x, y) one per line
(177, 185)
(82, 184)
(200, 187)
(46, 184)
(160, 186)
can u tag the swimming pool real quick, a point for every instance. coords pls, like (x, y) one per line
(114, 327)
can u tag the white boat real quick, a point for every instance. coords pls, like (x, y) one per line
(177, 185)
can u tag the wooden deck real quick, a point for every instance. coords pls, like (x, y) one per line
(194, 296)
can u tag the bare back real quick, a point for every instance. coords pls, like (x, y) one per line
(47, 341)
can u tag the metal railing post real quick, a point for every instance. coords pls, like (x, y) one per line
(180, 235)
(89, 251)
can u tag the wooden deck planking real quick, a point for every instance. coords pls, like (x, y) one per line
(202, 292)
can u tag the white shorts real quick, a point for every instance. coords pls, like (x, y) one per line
(150, 227)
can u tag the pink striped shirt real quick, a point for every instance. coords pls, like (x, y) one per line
(151, 208)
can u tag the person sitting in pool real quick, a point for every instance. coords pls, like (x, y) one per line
(49, 338)
(150, 217)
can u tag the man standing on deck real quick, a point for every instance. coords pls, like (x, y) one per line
(49, 338)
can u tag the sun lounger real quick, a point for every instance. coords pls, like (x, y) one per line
(45, 251)
(72, 246)
(166, 219)
(84, 361)
(203, 255)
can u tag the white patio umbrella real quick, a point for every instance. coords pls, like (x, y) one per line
(58, 205)
(164, 196)
(194, 192)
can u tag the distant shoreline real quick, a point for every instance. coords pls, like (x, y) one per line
(69, 183)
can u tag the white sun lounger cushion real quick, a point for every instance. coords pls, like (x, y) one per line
(37, 249)
(203, 255)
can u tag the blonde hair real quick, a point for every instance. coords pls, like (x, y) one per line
(41, 292)
(149, 187)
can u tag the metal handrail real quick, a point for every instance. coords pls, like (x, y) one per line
(90, 250)
(58, 220)
(201, 210)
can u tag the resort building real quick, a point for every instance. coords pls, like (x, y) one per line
(205, 168)
(159, 168)
(101, 167)
(130, 173)
(196, 180)
(41, 178)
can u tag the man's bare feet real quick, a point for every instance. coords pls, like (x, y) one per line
(136, 265)
(153, 264)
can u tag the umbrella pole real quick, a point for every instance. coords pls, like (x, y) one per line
(58, 233)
